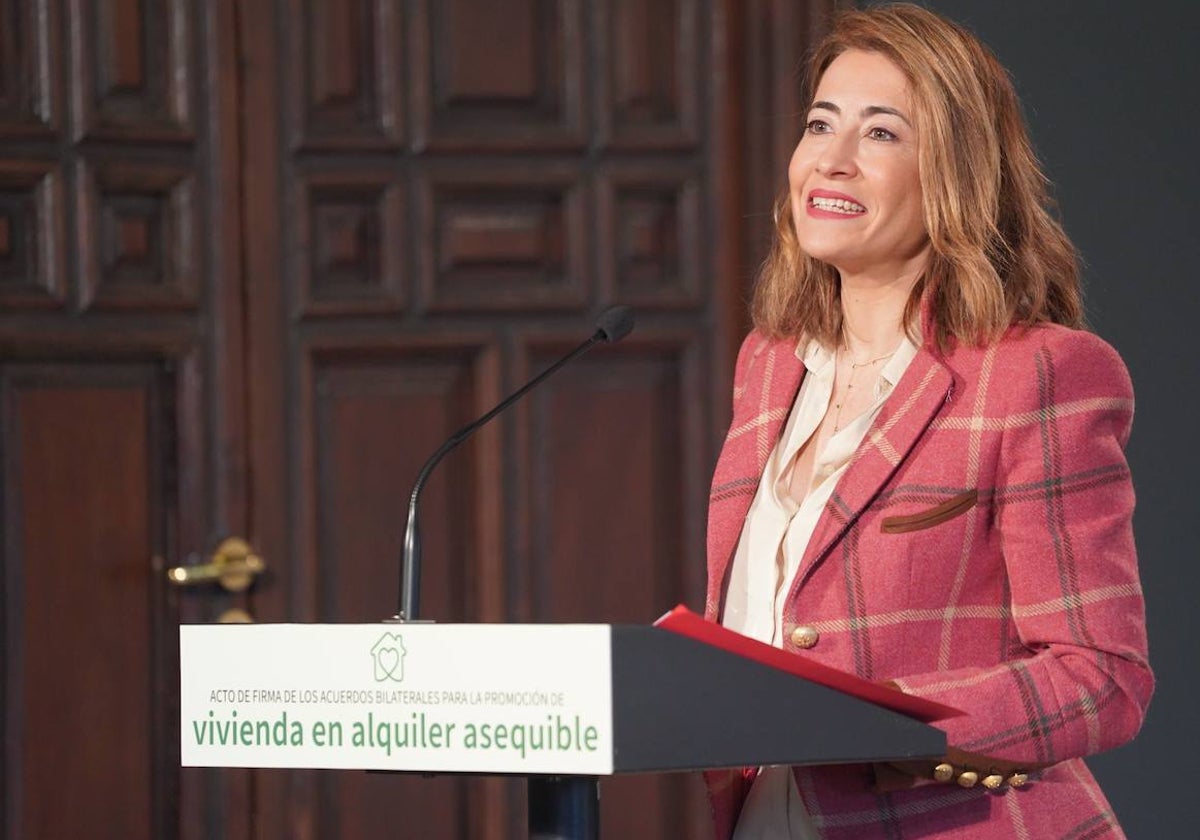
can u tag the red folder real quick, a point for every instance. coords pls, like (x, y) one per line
(683, 621)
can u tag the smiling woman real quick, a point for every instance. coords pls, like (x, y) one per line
(924, 482)
(855, 186)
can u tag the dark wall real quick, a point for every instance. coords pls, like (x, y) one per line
(1110, 94)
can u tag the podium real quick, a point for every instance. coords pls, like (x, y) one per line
(559, 704)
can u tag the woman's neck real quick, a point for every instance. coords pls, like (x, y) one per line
(873, 314)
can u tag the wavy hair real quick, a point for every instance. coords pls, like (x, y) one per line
(998, 255)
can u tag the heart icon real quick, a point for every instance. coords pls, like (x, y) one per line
(389, 658)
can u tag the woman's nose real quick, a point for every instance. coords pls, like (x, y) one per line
(837, 159)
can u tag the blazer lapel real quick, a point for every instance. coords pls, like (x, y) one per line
(758, 421)
(921, 393)
(775, 399)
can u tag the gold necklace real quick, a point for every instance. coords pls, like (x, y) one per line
(854, 366)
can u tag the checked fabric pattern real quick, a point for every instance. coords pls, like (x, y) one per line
(979, 552)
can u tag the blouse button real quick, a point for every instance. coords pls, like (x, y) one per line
(805, 637)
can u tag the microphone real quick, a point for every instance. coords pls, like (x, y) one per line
(613, 325)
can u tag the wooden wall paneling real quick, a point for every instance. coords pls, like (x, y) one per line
(503, 237)
(380, 408)
(122, 449)
(31, 234)
(260, 92)
(604, 450)
(195, 472)
(86, 507)
(650, 78)
(282, 802)
(29, 77)
(223, 243)
(351, 243)
(345, 74)
(497, 76)
(531, 146)
(648, 228)
(133, 69)
(605, 477)
(137, 235)
(164, 364)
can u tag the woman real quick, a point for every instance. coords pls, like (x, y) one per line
(924, 480)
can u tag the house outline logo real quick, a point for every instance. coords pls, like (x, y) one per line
(388, 654)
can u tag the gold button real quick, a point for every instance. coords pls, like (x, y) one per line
(805, 637)
(1018, 779)
(968, 779)
(993, 781)
(943, 772)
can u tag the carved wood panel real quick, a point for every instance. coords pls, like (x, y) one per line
(604, 478)
(132, 70)
(86, 518)
(138, 235)
(346, 75)
(489, 75)
(376, 410)
(495, 237)
(28, 76)
(31, 234)
(648, 223)
(352, 240)
(652, 81)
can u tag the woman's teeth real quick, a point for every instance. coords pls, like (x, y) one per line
(837, 205)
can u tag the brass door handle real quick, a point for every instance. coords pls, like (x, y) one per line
(233, 565)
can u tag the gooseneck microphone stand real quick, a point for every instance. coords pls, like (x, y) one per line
(612, 326)
(565, 807)
(560, 807)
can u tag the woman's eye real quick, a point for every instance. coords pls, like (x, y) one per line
(880, 134)
(817, 127)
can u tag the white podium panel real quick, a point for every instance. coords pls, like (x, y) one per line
(479, 698)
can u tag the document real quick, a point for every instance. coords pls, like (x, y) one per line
(683, 621)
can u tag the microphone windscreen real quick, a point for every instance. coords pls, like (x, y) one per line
(615, 323)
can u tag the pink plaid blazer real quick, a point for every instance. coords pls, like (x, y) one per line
(979, 552)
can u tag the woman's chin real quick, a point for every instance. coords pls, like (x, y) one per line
(826, 252)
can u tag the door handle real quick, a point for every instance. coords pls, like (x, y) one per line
(233, 565)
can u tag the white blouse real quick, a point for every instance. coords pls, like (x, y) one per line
(772, 544)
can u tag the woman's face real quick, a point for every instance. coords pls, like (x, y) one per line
(855, 188)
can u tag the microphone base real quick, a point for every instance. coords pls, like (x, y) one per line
(400, 619)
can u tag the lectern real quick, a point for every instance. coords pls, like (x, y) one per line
(560, 704)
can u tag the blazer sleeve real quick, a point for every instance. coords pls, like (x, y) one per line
(1078, 680)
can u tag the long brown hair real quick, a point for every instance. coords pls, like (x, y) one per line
(998, 255)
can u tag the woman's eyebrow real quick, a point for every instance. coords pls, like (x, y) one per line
(869, 111)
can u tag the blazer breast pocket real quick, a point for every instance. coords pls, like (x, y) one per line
(944, 512)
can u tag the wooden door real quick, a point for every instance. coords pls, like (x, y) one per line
(257, 259)
(121, 403)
